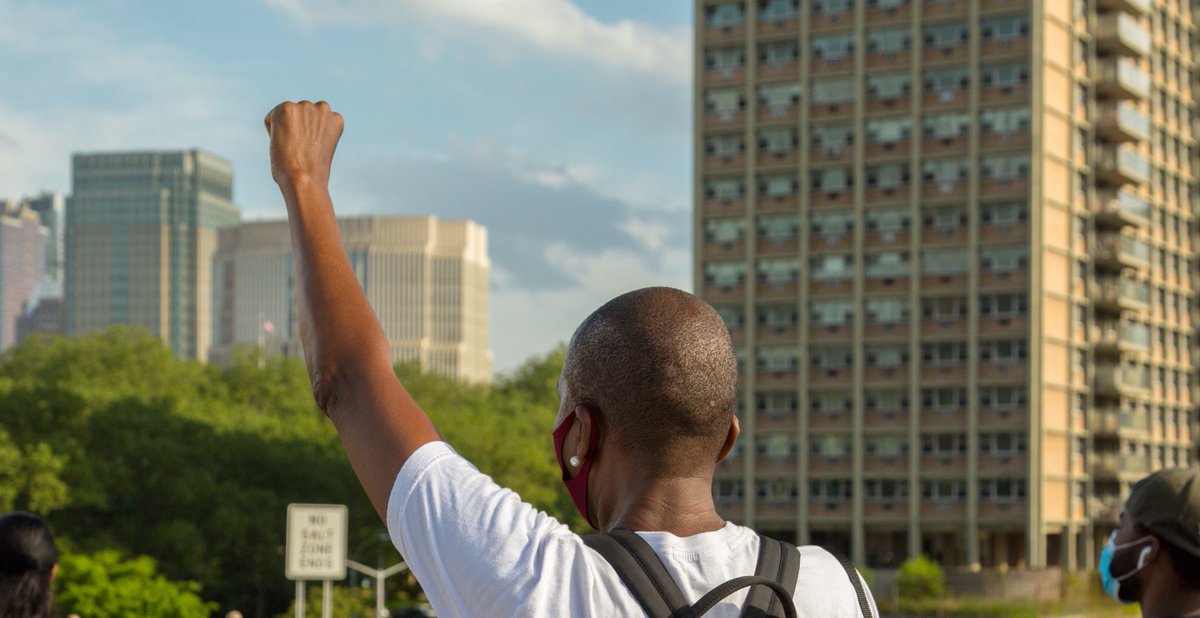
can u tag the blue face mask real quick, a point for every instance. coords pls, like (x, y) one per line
(1111, 583)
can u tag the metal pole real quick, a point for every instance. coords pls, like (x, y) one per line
(327, 599)
(299, 598)
(379, 596)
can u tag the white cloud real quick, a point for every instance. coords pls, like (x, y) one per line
(526, 322)
(138, 95)
(555, 26)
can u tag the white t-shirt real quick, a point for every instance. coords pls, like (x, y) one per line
(478, 550)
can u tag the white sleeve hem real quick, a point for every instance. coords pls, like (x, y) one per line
(406, 481)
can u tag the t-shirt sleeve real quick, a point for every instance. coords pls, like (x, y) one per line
(823, 587)
(476, 548)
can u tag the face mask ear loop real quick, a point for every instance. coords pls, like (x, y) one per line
(1140, 567)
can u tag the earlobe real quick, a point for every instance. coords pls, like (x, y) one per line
(53, 572)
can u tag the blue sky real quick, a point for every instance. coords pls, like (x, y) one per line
(562, 126)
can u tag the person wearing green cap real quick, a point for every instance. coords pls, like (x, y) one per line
(1153, 558)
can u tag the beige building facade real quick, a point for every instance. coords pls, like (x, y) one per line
(426, 278)
(953, 242)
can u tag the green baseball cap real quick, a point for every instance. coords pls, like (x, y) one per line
(1167, 503)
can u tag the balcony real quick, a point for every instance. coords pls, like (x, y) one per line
(1006, 510)
(724, 76)
(774, 335)
(1003, 463)
(888, 15)
(1119, 337)
(1122, 294)
(769, 377)
(1122, 164)
(1133, 7)
(885, 375)
(1121, 207)
(824, 510)
(888, 509)
(788, 27)
(993, 6)
(724, 207)
(734, 33)
(776, 160)
(1120, 33)
(936, 9)
(949, 54)
(944, 99)
(1002, 418)
(1121, 78)
(831, 66)
(886, 331)
(830, 333)
(718, 163)
(943, 418)
(1003, 371)
(1122, 381)
(778, 71)
(932, 510)
(1121, 251)
(944, 374)
(1120, 121)
(718, 250)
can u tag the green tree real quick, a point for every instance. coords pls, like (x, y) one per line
(130, 449)
(920, 578)
(29, 477)
(103, 585)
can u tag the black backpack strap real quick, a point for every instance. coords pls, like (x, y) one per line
(714, 596)
(779, 562)
(856, 581)
(642, 572)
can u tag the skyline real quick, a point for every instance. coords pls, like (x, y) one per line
(452, 108)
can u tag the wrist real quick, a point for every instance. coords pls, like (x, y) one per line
(293, 185)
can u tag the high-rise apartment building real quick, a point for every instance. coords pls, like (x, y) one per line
(952, 241)
(141, 232)
(426, 278)
(22, 263)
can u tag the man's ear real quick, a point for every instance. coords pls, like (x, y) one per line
(586, 425)
(1148, 553)
(53, 572)
(730, 438)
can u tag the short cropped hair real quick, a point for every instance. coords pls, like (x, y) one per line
(659, 365)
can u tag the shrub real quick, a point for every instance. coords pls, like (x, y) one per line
(920, 578)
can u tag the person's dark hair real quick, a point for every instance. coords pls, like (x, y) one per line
(659, 365)
(27, 557)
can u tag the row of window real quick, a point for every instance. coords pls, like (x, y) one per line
(783, 491)
(840, 267)
(937, 354)
(833, 181)
(835, 91)
(886, 41)
(894, 400)
(733, 12)
(887, 310)
(836, 138)
(839, 223)
(838, 446)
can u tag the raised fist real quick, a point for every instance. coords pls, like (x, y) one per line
(304, 136)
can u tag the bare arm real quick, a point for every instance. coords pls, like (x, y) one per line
(345, 349)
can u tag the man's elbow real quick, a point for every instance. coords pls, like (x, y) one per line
(326, 389)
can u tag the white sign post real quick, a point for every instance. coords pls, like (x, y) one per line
(316, 549)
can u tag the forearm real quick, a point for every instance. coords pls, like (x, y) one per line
(340, 333)
(345, 348)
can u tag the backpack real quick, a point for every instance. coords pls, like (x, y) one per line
(773, 583)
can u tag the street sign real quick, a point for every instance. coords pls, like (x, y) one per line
(316, 542)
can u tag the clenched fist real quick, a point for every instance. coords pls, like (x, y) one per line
(304, 136)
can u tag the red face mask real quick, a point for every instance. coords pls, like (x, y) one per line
(577, 486)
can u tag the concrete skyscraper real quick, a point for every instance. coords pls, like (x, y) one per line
(953, 242)
(426, 278)
(141, 232)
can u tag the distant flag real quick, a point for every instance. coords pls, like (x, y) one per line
(268, 326)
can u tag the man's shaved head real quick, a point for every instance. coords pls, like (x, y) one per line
(659, 366)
